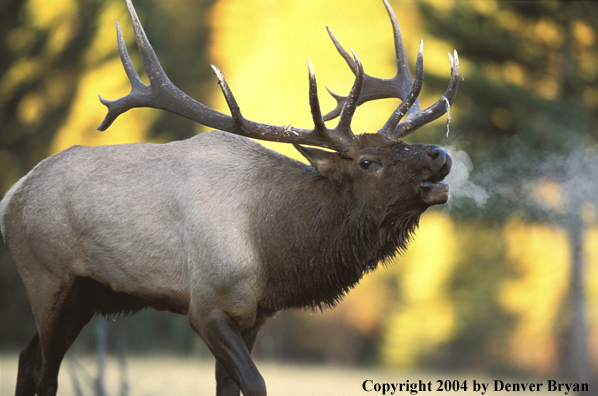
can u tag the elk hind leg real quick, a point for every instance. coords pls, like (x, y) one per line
(29, 365)
(60, 319)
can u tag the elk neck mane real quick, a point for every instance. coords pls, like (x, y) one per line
(318, 240)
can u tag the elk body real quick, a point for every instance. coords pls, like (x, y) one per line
(218, 227)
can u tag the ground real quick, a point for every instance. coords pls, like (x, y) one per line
(156, 375)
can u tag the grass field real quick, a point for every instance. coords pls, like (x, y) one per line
(156, 375)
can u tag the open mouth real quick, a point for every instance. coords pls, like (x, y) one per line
(432, 191)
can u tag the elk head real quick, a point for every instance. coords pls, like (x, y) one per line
(384, 163)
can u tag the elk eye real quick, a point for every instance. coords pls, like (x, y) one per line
(365, 164)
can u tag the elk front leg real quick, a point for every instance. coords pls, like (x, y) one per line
(223, 336)
(225, 385)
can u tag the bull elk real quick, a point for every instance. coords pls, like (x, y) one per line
(218, 227)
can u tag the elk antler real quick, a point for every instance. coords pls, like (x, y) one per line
(163, 94)
(400, 86)
(442, 105)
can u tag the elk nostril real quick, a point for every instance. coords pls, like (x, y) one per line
(436, 153)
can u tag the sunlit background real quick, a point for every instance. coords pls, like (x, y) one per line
(502, 279)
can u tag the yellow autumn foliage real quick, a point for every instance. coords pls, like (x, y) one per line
(541, 257)
(424, 318)
(591, 276)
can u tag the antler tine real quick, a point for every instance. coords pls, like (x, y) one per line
(436, 110)
(161, 93)
(379, 88)
(346, 56)
(117, 107)
(403, 76)
(314, 101)
(352, 100)
(389, 128)
(342, 131)
(233, 106)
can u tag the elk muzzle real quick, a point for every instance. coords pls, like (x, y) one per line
(432, 191)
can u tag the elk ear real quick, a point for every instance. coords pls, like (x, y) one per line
(321, 160)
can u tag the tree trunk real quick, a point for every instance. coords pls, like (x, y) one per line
(576, 362)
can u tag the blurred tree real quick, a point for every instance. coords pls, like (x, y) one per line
(41, 51)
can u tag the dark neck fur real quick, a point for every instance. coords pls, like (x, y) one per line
(317, 242)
